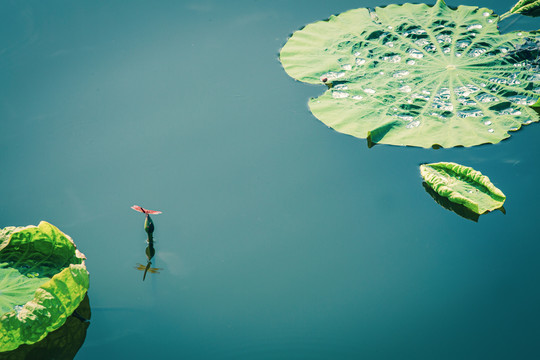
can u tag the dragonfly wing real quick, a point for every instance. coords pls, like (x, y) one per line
(145, 211)
(138, 208)
(152, 212)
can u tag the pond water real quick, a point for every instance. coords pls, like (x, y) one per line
(279, 238)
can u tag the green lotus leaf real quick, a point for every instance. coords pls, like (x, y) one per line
(43, 278)
(525, 7)
(463, 185)
(418, 75)
(61, 344)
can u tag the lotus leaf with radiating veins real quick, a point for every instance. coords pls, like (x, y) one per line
(418, 75)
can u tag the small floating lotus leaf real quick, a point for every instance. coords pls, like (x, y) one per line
(43, 279)
(418, 75)
(526, 7)
(463, 185)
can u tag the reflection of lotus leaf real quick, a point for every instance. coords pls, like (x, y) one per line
(418, 75)
(463, 185)
(61, 344)
(43, 279)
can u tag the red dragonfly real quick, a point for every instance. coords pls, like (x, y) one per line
(145, 211)
(148, 223)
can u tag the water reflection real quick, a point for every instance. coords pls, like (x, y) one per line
(150, 250)
(61, 344)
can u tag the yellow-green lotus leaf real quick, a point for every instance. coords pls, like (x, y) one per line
(525, 7)
(418, 75)
(463, 185)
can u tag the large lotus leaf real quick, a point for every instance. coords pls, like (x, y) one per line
(43, 279)
(463, 185)
(418, 75)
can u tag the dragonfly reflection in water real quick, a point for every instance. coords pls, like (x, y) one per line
(150, 250)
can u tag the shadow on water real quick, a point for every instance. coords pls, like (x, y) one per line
(447, 204)
(150, 252)
(61, 344)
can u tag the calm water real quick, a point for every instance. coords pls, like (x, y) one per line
(279, 238)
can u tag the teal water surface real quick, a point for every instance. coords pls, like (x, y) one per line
(279, 238)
